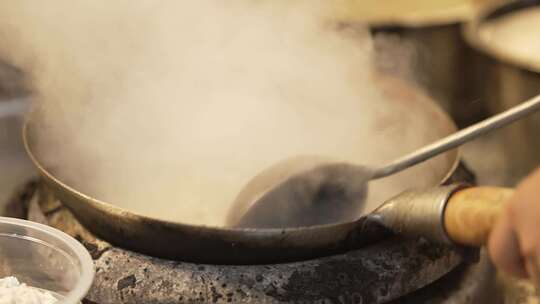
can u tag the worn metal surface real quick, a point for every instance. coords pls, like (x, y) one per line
(370, 276)
(417, 213)
(375, 274)
(467, 284)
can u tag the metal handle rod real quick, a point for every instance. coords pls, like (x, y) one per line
(465, 135)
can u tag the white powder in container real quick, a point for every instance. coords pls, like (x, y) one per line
(14, 292)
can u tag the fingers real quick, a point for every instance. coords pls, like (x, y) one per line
(514, 243)
(524, 213)
(503, 247)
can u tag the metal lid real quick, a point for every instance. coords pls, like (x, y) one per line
(473, 37)
(418, 13)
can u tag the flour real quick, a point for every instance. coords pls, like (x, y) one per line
(13, 292)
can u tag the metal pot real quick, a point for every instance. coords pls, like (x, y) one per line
(222, 245)
(426, 47)
(503, 80)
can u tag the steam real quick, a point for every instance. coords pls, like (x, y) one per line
(167, 108)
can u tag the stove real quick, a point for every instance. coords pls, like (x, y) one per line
(395, 270)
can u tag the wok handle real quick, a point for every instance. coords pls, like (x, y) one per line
(471, 213)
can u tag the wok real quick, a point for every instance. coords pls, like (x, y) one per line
(214, 245)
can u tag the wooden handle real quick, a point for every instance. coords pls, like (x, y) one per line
(471, 213)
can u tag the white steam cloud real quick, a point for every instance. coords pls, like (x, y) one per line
(167, 108)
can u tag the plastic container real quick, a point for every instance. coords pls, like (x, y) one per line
(45, 258)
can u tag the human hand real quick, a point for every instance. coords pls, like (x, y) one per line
(514, 244)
